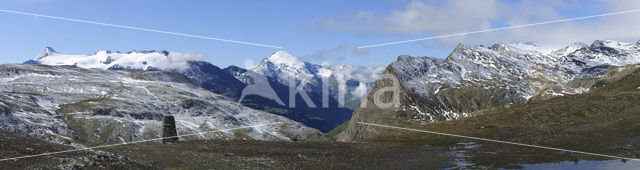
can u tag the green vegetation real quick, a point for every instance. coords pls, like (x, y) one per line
(629, 83)
(604, 121)
(335, 132)
(612, 74)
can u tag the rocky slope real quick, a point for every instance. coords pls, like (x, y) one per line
(106, 106)
(473, 79)
(14, 145)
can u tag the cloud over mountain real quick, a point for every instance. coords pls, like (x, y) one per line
(138, 60)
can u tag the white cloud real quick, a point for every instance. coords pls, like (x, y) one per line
(361, 51)
(335, 54)
(428, 18)
(439, 16)
(175, 60)
(136, 60)
(361, 91)
(619, 27)
(248, 63)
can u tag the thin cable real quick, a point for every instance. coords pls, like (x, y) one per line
(126, 143)
(137, 28)
(498, 141)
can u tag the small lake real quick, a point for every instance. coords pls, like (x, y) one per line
(586, 165)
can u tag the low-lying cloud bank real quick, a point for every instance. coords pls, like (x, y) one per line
(139, 60)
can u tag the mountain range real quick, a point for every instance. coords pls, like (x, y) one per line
(471, 80)
(474, 79)
(346, 85)
(580, 97)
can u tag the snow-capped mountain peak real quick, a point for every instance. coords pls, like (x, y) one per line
(286, 68)
(519, 48)
(281, 57)
(46, 52)
(526, 46)
(569, 49)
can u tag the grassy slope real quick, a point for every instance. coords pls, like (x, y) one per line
(605, 121)
(335, 132)
(629, 83)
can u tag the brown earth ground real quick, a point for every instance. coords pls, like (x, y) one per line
(16, 145)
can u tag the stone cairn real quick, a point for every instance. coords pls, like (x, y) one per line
(169, 132)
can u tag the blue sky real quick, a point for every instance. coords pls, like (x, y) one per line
(317, 31)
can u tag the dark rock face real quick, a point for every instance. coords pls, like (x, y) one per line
(190, 103)
(32, 62)
(390, 115)
(169, 133)
(214, 79)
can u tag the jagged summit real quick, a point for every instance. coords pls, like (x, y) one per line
(499, 47)
(48, 51)
(404, 57)
(611, 44)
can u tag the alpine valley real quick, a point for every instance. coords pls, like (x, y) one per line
(346, 84)
(309, 116)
